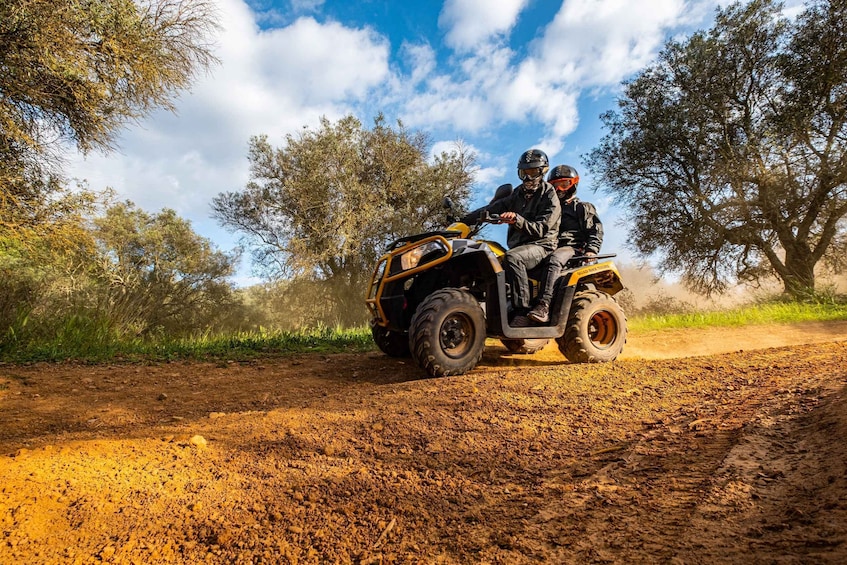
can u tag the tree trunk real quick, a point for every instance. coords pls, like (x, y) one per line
(799, 277)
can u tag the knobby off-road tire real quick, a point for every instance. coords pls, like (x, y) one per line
(393, 344)
(447, 333)
(596, 329)
(525, 346)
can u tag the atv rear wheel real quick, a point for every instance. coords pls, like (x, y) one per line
(393, 344)
(596, 329)
(447, 333)
(525, 346)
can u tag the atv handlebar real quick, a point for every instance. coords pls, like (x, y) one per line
(486, 218)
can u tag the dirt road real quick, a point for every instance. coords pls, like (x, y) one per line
(737, 455)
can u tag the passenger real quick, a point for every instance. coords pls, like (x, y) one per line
(533, 213)
(580, 233)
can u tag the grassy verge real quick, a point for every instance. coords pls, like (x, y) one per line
(98, 346)
(769, 313)
(238, 347)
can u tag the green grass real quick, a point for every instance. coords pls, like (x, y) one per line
(238, 347)
(91, 343)
(767, 313)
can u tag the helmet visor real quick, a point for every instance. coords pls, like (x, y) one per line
(530, 174)
(565, 183)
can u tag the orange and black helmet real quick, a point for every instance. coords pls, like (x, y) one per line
(564, 179)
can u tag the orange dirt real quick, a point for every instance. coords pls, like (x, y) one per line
(733, 456)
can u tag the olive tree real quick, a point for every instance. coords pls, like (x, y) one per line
(43, 239)
(323, 207)
(155, 273)
(79, 71)
(730, 151)
(74, 72)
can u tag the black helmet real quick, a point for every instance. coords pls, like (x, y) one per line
(529, 162)
(564, 179)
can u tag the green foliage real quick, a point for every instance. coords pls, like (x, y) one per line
(37, 276)
(322, 208)
(300, 303)
(774, 312)
(77, 72)
(821, 297)
(156, 274)
(141, 277)
(90, 342)
(730, 152)
(80, 71)
(41, 216)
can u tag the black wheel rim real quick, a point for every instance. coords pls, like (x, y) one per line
(457, 335)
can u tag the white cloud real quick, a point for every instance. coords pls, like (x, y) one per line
(306, 5)
(470, 23)
(440, 147)
(299, 63)
(489, 175)
(601, 42)
(468, 99)
(277, 81)
(559, 111)
(421, 59)
(589, 44)
(272, 82)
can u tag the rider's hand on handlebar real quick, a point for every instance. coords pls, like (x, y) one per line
(508, 218)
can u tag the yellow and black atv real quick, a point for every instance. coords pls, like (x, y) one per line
(438, 295)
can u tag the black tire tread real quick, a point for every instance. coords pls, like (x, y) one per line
(425, 342)
(525, 346)
(575, 345)
(393, 344)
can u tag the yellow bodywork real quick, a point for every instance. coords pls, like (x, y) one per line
(381, 274)
(465, 230)
(605, 275)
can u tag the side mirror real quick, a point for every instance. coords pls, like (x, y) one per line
(503, 191)
(448, 205)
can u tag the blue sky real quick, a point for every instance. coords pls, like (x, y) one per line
(500, 76)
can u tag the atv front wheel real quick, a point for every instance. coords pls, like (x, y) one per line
(596, 330)
(393, 344)
(525, 346)
(447, 333)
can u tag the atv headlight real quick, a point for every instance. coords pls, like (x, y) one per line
(412, 258)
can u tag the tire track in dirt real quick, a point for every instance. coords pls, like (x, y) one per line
(782, 486)
(693, 473)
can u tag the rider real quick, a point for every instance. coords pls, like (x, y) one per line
(533, 213)
(580, 232)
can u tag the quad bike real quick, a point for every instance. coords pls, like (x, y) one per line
(438, 295)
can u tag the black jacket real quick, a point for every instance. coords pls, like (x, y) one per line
(580, 227)
(538, 216)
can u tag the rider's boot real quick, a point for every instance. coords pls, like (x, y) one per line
(540, 314)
